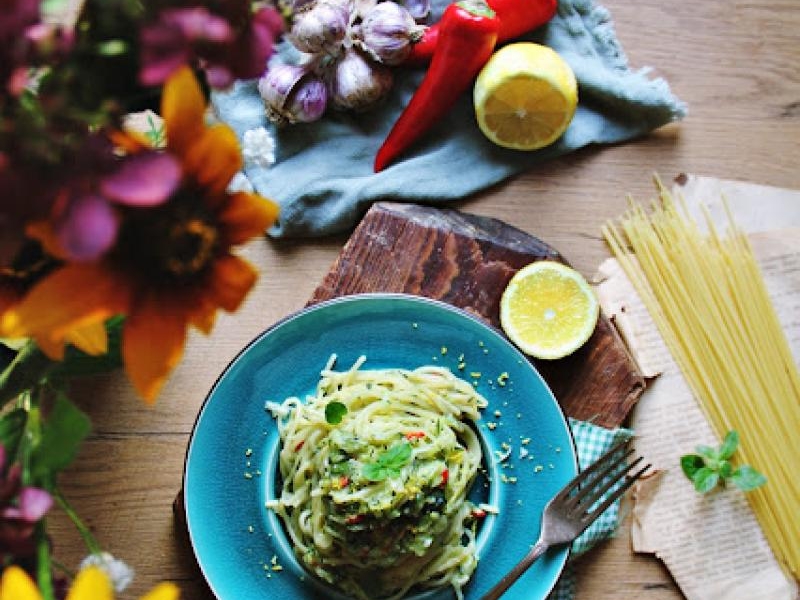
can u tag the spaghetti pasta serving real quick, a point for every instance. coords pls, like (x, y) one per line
(706, 293)
(375, 469)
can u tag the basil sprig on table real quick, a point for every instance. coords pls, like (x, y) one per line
(710, 467)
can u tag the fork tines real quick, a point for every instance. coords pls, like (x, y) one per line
(610, 470)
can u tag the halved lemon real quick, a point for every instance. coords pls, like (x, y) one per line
(548, 310)
(525, 96)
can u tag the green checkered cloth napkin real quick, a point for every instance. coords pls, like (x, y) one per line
(591, 441)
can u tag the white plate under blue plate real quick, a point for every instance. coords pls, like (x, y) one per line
(230, 469)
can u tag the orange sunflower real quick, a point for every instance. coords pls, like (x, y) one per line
(171, 265)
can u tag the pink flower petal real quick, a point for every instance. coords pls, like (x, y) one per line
(197, 23)
(34, 503)
(146, 179)
(163, 50)
(88, 229)
(270, 18)
(219, 76)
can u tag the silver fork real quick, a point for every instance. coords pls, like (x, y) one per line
(573, 509)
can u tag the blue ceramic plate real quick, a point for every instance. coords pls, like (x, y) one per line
(232, 456)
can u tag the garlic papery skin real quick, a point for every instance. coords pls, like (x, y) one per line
(292, 94)
(357, 82)
(275, 87)
(320, 27)
(308, 100)
(388, 31)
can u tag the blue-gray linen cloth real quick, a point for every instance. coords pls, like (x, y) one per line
(323, 176)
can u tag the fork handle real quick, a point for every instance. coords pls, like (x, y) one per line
(500, 588)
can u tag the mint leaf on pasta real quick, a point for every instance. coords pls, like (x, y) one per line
(396, 456)
(388, 463)
(335, 412)
(374, 472)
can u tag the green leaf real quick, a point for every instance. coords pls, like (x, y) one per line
(747, 478)
(388, 463)
(691, 463)
(12, 426)
(341, 468)
(15, 344)
(729, 445)
(62, 433)
(705, 480)
(725, 469)
(396, 456)
(54, 8)
(374, 472)
(112, 47)
(335, 412)
(707, 452)
(29, 367)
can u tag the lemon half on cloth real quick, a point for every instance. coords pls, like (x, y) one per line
(525, 96)
(548, 310)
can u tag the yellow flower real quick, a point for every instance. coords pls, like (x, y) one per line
(90, 584)
(171, 265)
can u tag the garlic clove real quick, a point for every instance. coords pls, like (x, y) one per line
(362, 7)
(388, 31)
(357, 83)
(308, 100)
(320, 27)
(292, 94)
(418, 9)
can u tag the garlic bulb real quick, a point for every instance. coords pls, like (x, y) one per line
(387, 32)
(292, 94)
(357, 82)
(320, 27)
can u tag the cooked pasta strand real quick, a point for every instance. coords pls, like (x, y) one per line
(376, 534)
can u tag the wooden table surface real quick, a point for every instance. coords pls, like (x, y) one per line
(735, 62)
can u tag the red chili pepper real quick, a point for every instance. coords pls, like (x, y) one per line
(467, 35)
(445, 477)
(415, 435)
(300, 445)
(478, 513)
(343, 481)
(516, 17)
(354, 519)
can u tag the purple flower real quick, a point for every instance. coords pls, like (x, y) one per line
(87, 223)
(26, 42)
(176, 38)
(229, 46)
(247, 57)
(16, 16)
(20, 510)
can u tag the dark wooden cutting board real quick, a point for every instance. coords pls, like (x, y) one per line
(467, 260)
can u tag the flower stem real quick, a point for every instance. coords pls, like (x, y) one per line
(44, 574)
(83, 530)
(25, 372)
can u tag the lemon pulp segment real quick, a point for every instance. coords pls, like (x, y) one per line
(525, 96)
(548, 310)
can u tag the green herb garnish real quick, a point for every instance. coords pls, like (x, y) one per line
(388, 463)
(710, 467)
(335, 412)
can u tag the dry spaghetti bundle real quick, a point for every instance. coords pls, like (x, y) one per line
(706, 294)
